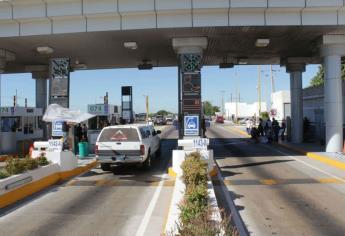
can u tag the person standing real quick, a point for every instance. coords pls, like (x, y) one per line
(268, 129)
(282, 130)
(261, 127)
(203, 127)
(275, 127)
(84, 132)
(248, 123)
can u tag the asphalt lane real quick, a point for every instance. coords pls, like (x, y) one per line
(274, 192)
(101, 203)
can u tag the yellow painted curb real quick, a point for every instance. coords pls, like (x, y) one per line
(318, 157)
(34, 187)
(171, 172)
(28, 189)
(326, 160)
(213, 172)
(71, 173)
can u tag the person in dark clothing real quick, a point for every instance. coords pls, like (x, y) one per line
(203, 127)
(283, 128)
(79, 133)
(276, 128)
(261, 127)
(84, 132)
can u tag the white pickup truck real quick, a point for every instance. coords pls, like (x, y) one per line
(127, 144)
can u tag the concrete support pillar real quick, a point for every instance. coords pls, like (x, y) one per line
(41, 95)
(296, 70)
(332, 49)
(6, 144)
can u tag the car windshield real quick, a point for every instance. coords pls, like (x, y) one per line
(119, 135)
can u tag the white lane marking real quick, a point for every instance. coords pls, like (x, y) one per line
(145, 221)
(307, 164)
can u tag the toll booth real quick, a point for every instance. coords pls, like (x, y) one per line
(127, 104)
(105, 115)
(19, 127)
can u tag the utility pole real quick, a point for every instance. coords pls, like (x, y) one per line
(147, 106)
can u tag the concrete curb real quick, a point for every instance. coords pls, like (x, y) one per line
(235, 215)
(26, 190)
(178, 195)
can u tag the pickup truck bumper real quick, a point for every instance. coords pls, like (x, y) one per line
(121, 159)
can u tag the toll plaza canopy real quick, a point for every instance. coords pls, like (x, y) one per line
(56, 35)
(93, 32)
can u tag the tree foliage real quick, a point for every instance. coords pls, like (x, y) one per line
(209, 109)
(319, 78)
(163, 112)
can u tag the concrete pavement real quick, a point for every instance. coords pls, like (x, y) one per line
(279, 192)
(132, 201)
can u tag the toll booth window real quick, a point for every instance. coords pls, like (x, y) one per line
(10, 124)
(29, 125)
(92, 123)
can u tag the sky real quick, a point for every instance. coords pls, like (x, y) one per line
(160, 84)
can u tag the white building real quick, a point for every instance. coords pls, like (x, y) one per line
(281, 104)
(242, 109)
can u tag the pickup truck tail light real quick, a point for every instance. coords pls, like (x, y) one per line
(96, 149)
(142, 149)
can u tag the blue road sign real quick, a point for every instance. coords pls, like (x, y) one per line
(191, 125)
(57, 128)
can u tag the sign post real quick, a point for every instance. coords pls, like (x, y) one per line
(190, 90)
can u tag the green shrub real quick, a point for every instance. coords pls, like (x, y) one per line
(4, 174)
(42, 161)
(15, 166)
(194, 170)
(31, 163)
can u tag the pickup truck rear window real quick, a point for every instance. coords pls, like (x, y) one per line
(119, 135)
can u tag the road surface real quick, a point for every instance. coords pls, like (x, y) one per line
(131, 202)
(278, 192)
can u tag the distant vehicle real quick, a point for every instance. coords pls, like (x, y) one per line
(168, 120)
(219, 119)
(160, 120)
(127, 144)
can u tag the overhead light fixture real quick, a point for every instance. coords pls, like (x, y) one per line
(130, 45)
(261, 43)
(243, 60)
(80, 66)
(225, 65)
(45, 50)
(145, 65)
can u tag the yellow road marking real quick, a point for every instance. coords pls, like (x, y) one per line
(103, 182)
(330, 181)
(268, 181)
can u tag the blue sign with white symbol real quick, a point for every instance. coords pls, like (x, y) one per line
(191, 125)
(57, 128)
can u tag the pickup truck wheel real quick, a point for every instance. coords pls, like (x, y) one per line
(105, 167)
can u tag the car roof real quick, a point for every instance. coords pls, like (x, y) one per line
(127, 126)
